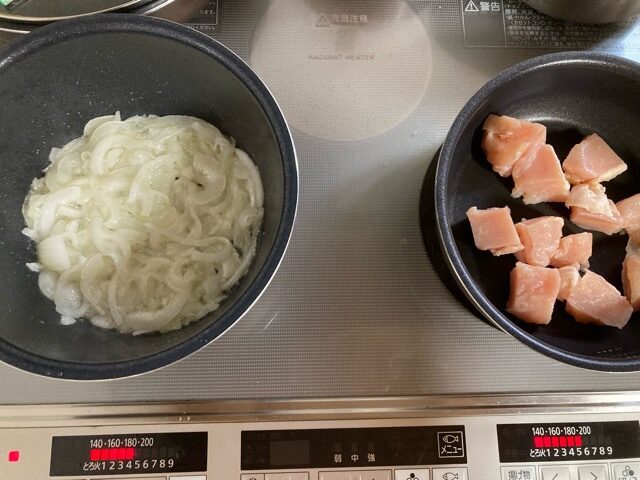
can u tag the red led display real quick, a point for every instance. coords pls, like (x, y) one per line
(552, 442)
(98, 454)
(14, 456)
(136, 454)
(557, 441)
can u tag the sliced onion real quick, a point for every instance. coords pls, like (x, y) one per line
(47, 282)
(47, 215)
(53, 255)
(143, 224)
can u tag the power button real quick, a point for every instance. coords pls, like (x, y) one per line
(412, 474)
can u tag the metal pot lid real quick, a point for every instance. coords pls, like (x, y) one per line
(46, 11)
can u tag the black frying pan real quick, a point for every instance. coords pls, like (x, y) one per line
(52, 81)
(573, 94)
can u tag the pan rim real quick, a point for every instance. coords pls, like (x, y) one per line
(445, 234)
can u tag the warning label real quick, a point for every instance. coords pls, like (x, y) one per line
(323, 21)
(511, 23)
(471, 7)
(483, 23)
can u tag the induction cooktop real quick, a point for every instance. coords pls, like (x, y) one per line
(358, 308)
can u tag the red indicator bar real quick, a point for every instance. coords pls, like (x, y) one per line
(99, 454)
(555, 442)
(547, 441)
(563, 441)
(571, 442)
(538, 442)
(14, 456)
(578, 440)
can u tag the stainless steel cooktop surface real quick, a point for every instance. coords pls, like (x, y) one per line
(357, 309)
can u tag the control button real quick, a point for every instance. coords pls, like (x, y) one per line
(252, 476)
(136, 478)
(453, 473)
(335, 475)
(287, 476)
(451, 444)
(519, 472)
(356, 475)
(626, 471)
(555, 473)
(373, 475)
(412, 474)
(593, 472)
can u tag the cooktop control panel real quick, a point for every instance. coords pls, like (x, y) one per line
(349, 444)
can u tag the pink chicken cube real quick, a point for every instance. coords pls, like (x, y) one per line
(629, 208)
(592, 210)
(493, 230)
(608, 224)
(538, 177)
(540, 238)
(631, 271)
(574, 250)
(631, 280)
(594, 300)
(506, 139)
(533, 293)
(569, 278)
(591, 197)
(592, 160)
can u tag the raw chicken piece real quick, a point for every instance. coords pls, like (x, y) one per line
(631, 271)
(574, 250)
(592, 210)
(493, 230)
(596, 221)
(506, 139)
(592, 160)
(594, 300)
(540, 238)
(633, 245)
(631, 280)
(629, 208)
(533, 293)
(569, 277)
(591, 197)
(538, 177)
